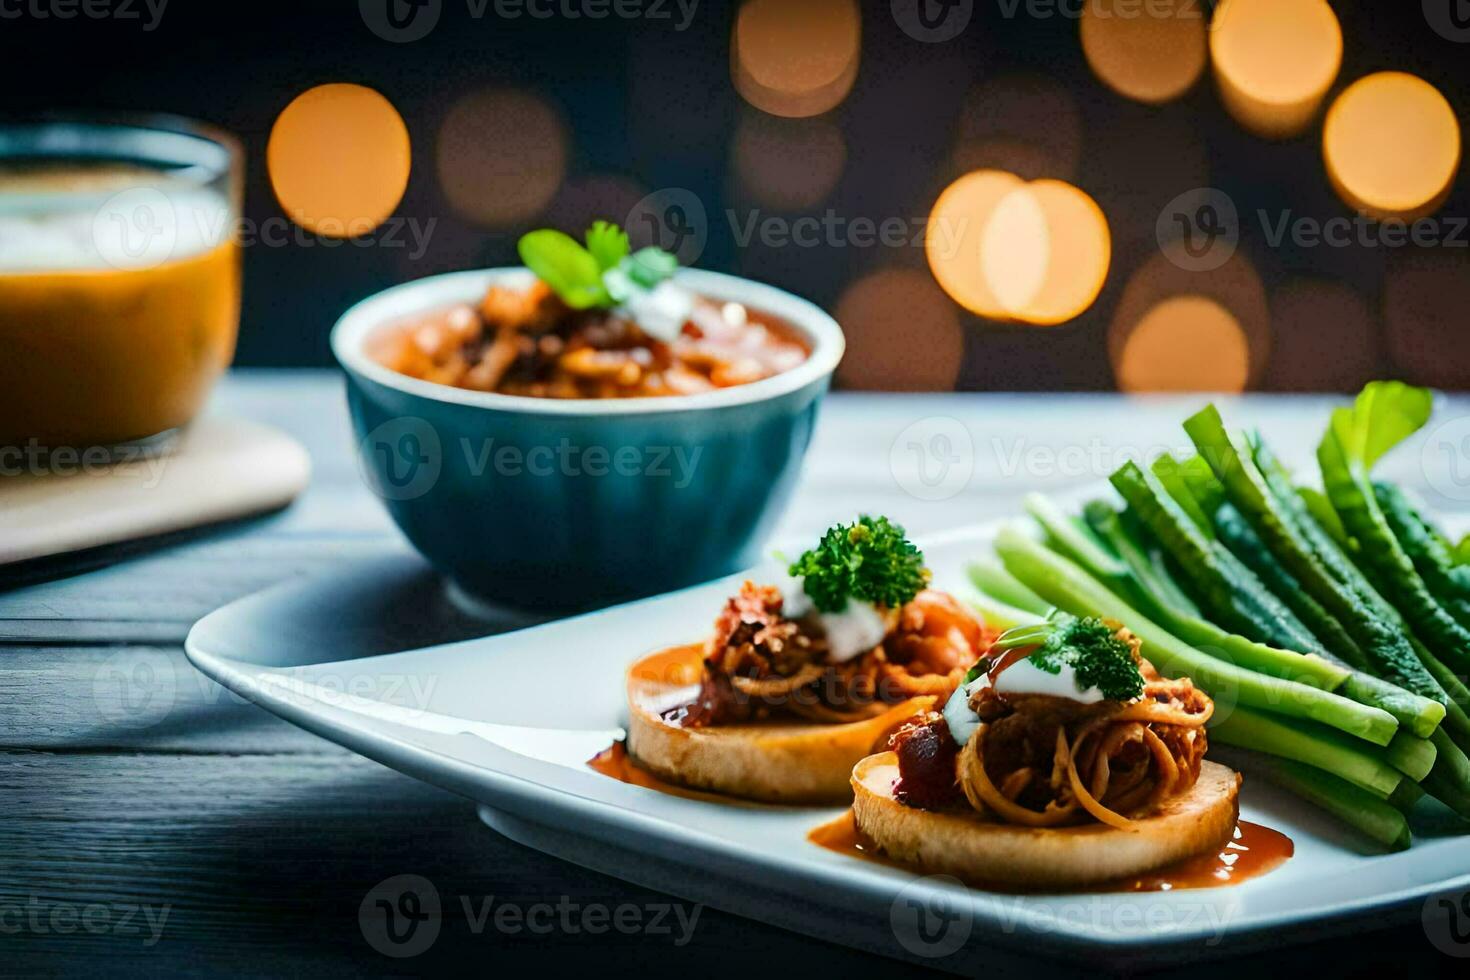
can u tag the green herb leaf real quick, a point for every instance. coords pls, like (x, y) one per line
(563, 264)
(602, 274)
(608, 244)
(650, 266)
(1092, 648)
(870, 560)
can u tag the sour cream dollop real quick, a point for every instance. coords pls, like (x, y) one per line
(662, 311)
(1021, 677)
(857, 628)
(1024, 677)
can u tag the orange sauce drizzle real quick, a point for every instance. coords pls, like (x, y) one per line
(615, 762)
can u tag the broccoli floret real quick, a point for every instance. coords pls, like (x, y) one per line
(869, 560)
(1090, 646)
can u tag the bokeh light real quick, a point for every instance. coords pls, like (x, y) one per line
(902, 334)
(1185, 343)
(1274, 61)
(501, 155)
(1035, 252)
(1046, 252)
(1425, 295)
(339, 159)
(1150, 52)
(796, 57)
(787, 164)
(1392, 145)
(1323, 338)
(1226, 352)
(955, 238)
(1028, 125)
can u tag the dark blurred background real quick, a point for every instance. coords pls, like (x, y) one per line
(570, 119)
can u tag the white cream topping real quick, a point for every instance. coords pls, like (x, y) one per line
(1021, 677)
(1024, 677)
(857, 628)
(961, 720)
(661, 312)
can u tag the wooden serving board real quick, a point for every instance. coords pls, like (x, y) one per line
(218, 469)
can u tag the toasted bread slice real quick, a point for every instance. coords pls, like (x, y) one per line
(773, 762)
(979, 850)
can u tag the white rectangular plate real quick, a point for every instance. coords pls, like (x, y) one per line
(511, 720)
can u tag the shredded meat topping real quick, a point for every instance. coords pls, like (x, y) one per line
(759, 662)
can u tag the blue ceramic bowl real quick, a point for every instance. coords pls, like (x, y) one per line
(553, 504)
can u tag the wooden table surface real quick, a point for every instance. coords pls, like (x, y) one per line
(151, 821)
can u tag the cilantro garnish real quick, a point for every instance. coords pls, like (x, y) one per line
(602, 274)
(869, 559)
(1090, 646)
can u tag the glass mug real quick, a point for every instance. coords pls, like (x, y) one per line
(119, 276)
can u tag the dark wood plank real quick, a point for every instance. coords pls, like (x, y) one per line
(259, 864)
(132, 699)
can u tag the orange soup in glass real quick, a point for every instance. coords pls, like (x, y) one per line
(119, 277)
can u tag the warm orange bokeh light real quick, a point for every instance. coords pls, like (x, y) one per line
(1274, 61)
(795, 57)
(787, 164)
(339, 159)
(1035, 252)
(902, 334)
(1046, 252)
(1210, 356)
(1392, 145)
(501, 155)
(955, 238)
(1151, 52)
(1185, 343)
